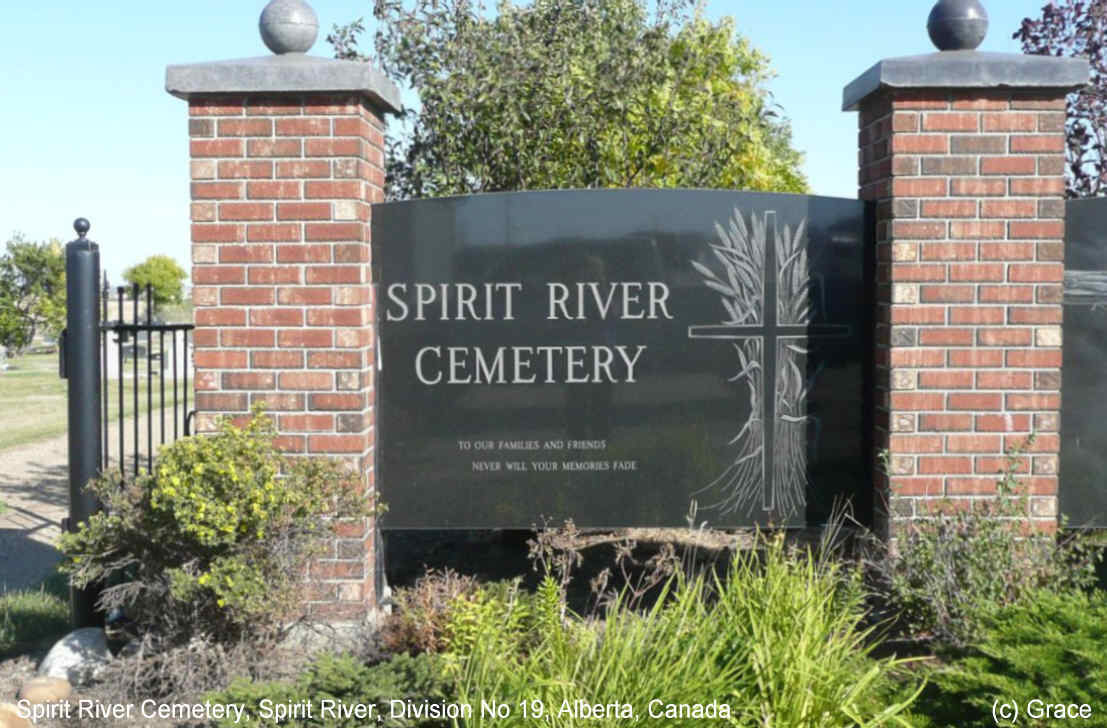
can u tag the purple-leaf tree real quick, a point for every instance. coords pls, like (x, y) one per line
(1078, 28)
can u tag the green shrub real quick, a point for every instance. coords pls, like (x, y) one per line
(344, 679)
(1051, 646)
(213, 542)
(418, 618)
(777, 640)
(954, 567)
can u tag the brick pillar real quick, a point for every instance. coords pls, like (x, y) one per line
(284, 168)
(964, 155)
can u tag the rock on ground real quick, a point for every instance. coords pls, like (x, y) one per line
(77, 656)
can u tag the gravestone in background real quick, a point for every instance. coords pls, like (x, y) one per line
(612, 356)
(1083, 435)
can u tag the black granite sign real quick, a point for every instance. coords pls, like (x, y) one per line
(1083, 496)
(613, 356)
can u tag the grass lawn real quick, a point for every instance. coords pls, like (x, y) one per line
(31, 618)
(33, 402)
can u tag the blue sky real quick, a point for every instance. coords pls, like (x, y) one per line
(88, 129)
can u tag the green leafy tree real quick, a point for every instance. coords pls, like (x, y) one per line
(1078, 28)
(163, 274)
(32, 291)
(575, 94)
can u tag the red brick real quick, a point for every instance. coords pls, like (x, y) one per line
(234, 296)
(1039, 104)
(303, 127)
(341, 189)
(273, 189)
(916, 486)
(976, 187)
(971, 486)
(1037, 272)
(304, 169)
(915, 401)
(1008, 208)
(948, 251)
(917, 358)
(216, 190)
(1038, 186)
(351, 253)
(1002, 423)
(982, 103)
(939, 465)
(295, 338)
(951, 122)
(345, 402)
(920, 144)
(203, 148)
(262, 275)
(1043, 358)
(304, 253)
(307, 380)
(1037, 143)
(202, 338)
(975, 401)
(278, 402)
(1033, 401)
(215, 274)
(918, 315)
(335, 231)
(333, 147)
(220, 359)
(336, 317)
(1003, 337)
(304, 296)
(911, 272)
(245, 253)
(274, 106)
(948, 208)
(277, 317)
(976, 315)
(976, 229)
(1035, 315)
(944, 422)
(280, 232)
(216, 106)
(220, 317)
(1050, 229)
(273, 148)
(1003, 380)
(245, 127)
(287, 443)
(335, 360)
(253, 338)
(919, 187)
(304, 211)
(210, 233)
(1007, 165)
(221, 401)
(945, 337)
(278, 359)
(947, 294)
(972, 443)
(334, 274)
(1007, 251)
(945, 380)
(245, 170)
(248, 380)
(1010, 122)
(915, 443)
(975, 358)
(997, 465)
(1006, 294)
(1043, 442)
(964, 272)
(338, 443)
(306, 423)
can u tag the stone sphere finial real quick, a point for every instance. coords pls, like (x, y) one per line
(81, 226)
(288, 26)
(957, 25)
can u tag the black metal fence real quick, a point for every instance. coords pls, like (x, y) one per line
(143, 348)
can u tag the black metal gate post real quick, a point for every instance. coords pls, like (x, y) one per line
(82, 369)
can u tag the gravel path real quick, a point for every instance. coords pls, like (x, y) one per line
(34, 484)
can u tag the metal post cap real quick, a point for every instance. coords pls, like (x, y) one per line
(288, 26)
(957, 25)
(82, 226)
